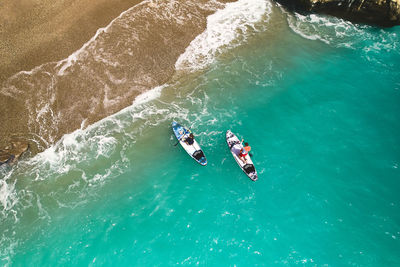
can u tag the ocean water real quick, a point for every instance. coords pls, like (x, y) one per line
(317, 98)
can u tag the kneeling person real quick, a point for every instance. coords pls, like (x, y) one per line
(190, 139)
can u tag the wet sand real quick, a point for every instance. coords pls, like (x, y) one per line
(136, 54)
(33, 32)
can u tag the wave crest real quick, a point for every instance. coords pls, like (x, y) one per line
(341, 33)
(226, 28)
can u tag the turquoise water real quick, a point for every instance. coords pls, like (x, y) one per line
(322, 115)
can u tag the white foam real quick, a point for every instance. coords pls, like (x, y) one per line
(100, 177)
(149, 95)
(66, 63)
(306, 26)
(11, 91)
(225, 26)
(337, 32)
(73, 147)
(6, 252)
(106, 145)
(107, 100)
(7, 195)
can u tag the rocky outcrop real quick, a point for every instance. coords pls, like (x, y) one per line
(13, 152)
(384, 13)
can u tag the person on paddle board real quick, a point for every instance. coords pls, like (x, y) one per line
(189, 140)
(244, 151)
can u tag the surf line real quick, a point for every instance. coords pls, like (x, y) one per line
(66, 63)
(222, 29)
(243, 14)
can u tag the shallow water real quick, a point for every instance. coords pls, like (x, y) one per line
(318, 100)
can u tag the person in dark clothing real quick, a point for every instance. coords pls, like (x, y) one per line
(190, 139)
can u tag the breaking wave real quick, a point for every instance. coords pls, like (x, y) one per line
(341, 33)
(226, 28)
(66, 174)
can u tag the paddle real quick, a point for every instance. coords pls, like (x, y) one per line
(178, 141)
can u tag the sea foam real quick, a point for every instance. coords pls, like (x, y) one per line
(107, 142)
(225, 29)
(338, 33)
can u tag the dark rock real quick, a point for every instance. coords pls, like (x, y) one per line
(5, 158)
(13, 152)
(385, 13)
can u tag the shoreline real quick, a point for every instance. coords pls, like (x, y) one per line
(37, 32)
(40, 107)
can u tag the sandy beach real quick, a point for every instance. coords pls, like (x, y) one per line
(136, 53)
(33, 32)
